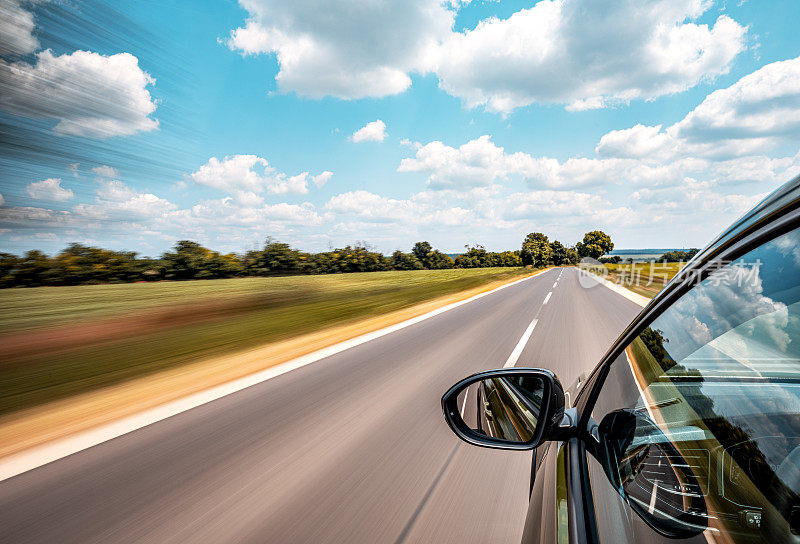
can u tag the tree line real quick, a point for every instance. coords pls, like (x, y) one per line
(675, 256)
(80, 264)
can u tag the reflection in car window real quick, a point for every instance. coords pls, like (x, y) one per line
(699, 418)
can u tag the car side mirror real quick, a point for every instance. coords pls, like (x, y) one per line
(511, 408)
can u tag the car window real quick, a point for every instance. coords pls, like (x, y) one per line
(697, 425)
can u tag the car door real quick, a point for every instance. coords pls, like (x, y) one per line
(692, 429)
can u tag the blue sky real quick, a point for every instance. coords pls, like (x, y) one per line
(133, 125)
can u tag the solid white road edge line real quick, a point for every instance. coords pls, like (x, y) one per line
(24, 461)
(627, 293)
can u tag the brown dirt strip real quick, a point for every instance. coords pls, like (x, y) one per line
(24, 344)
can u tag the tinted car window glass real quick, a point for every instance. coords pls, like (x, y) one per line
(698, 421)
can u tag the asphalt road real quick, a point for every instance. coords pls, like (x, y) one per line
(351, 449)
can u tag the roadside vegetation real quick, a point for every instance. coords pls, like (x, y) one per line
(58, 341)
(80, 264)
(98, 317)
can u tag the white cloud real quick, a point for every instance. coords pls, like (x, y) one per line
(323, 178)
(87, 93)
(116, 201)
(419, 209)
(762, 105)
(370, 205)
(17, 23)
(476, 163)
(347, 49)
(754, 115)
(480, 162)
(230, 212)
(371, 132)
(587, 54)
(637, 142)
(49, 189)
(582, 53)
(245, 176)
(105, 171)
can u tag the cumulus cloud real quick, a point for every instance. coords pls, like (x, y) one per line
(763, 105)
(649, 177)
(116, 201)
(49, 189)
(480, 162)
(87, 93)
(348, 49)
(17, 23)
(754, 115)
(248, 176)
(371, 132)
(708, 145)
(587, 54)
(577, 52)
(321, 179)
(419, 209)
(105, 171)
(119, 211)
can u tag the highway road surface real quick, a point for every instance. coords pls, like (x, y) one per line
(352, 448)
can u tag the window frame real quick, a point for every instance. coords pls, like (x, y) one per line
(776, 215)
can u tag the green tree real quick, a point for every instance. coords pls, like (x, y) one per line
(421, 251)
(275, 258)
(405, 261)
(571, 256)
(595, 244)
(438, 260)
(80, 264)
(357, 258)
(505, 258)
(8, 269)
(558, 253)
(536, 250)
(678, 256)
(475, 257)
(188, 260)
(34, 268)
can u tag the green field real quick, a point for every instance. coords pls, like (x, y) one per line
(58, 341)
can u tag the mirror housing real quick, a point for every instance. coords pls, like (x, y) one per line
(529, 414)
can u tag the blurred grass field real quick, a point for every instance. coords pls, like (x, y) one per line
(59, 341)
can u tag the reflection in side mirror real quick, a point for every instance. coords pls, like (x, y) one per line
(508, 409)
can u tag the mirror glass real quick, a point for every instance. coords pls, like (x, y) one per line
(504, 408)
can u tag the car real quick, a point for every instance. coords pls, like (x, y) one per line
(688, 429)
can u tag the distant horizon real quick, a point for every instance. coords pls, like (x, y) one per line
(256, 246)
